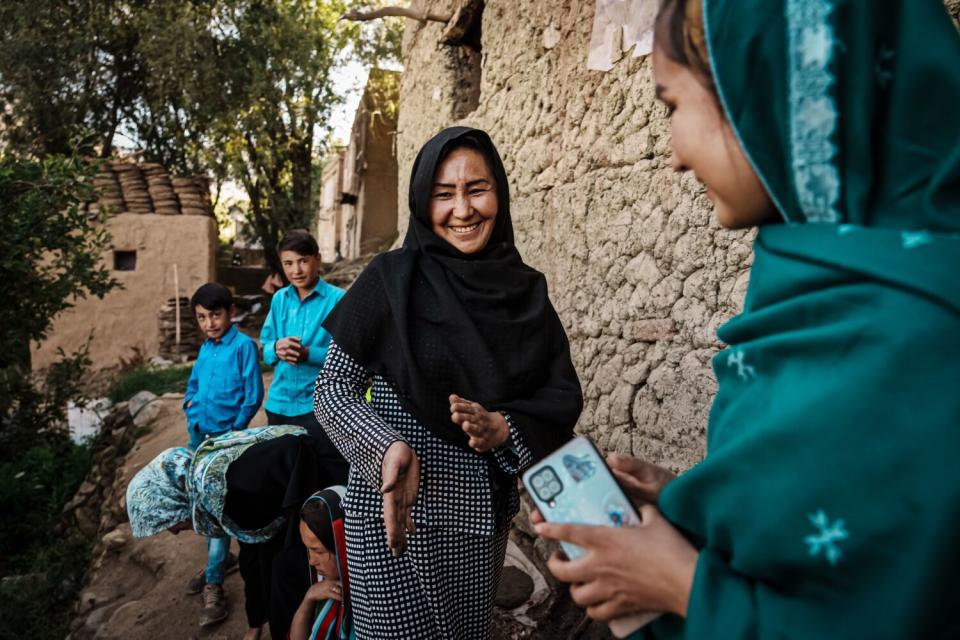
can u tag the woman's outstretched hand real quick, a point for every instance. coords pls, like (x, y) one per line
(628, 570)
(400, 473)
(486, 429)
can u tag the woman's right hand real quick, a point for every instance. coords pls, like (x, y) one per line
(643, 481)
(325, 590)
(400, 474)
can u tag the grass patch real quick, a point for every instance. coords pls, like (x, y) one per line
(42, 572)
(158, 381)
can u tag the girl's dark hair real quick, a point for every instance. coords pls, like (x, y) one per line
(317, 517)
(679, 34)
(299, 241)
(212, 296)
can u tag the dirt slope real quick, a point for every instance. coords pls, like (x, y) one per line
(138, 591)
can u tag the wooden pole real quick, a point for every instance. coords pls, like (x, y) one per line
(176, 298)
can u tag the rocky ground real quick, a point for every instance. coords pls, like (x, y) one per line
(136, 587)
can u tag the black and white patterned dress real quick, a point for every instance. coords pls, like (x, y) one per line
(444, 585)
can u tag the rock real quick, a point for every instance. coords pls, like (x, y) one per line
(96, 618)
(87, 520)
(140, 400)
(515, 587)
(550, 37)
(87, 602)
(147, 414)
(148, 557)
(86, 488)
(160, 363)
(650, 330)
(75, 502)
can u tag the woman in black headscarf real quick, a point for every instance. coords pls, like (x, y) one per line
(472, 381)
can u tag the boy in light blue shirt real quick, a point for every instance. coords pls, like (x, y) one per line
(223, 394)
(293, 338)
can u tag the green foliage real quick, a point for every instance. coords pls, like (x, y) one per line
(158, 381)
(240, 89)
(39, 604)
(32, 406)
(49, 255)
(42, 572)
(49, 250)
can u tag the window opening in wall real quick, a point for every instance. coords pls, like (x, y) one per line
(464, 34)
(124, 260)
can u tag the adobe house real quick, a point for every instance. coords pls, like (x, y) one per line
(164, 242)
(358, 199)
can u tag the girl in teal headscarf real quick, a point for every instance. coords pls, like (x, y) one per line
(828, 505)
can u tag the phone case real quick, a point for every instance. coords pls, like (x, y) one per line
(573, 485)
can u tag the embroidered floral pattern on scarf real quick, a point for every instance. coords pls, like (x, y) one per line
(813, 112)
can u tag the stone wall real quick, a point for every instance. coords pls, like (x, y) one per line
(639, 273)
(128, 317)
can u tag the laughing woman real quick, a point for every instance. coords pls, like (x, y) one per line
(828, 505)
(472, 380)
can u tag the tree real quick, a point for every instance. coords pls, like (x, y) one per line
(50, 255)
(68, 70)
(50, 250)
(239, 89)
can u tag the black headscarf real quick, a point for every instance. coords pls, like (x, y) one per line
(434, 321)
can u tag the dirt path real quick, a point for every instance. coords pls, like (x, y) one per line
(139, 589)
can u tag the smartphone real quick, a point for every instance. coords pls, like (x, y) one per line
(573, 485)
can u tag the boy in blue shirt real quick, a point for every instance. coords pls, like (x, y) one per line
(294, 341)
(223, 394)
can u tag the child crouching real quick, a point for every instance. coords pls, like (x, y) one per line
(325, 610)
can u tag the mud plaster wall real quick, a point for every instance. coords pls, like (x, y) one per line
(639, 273)
(128, 317)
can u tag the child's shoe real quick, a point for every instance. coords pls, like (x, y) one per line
(197, 582)
(214, 605)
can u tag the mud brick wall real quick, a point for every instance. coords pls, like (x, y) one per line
(639, 272)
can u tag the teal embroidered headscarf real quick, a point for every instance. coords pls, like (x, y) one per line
(180, 485)
(828, 505)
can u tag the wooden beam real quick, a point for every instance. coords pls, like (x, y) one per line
(400, 12)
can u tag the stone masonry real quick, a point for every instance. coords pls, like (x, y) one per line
(638, 271)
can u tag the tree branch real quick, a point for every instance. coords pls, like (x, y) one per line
(401, 12)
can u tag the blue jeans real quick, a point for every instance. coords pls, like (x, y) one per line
(217, 548)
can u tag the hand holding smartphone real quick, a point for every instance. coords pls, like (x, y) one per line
(573, 485)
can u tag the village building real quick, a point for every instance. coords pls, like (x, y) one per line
(358, 197)
(164, 243)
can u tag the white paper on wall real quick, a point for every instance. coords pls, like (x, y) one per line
(606, 38)
(618, 26)
(638, 29)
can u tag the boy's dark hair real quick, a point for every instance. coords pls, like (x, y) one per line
(314, 513)
(299, 241)
(212, 296)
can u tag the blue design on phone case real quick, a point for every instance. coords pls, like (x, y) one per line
(573, 485)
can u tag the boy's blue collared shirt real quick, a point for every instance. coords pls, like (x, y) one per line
(291, 392)
(225, 387)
